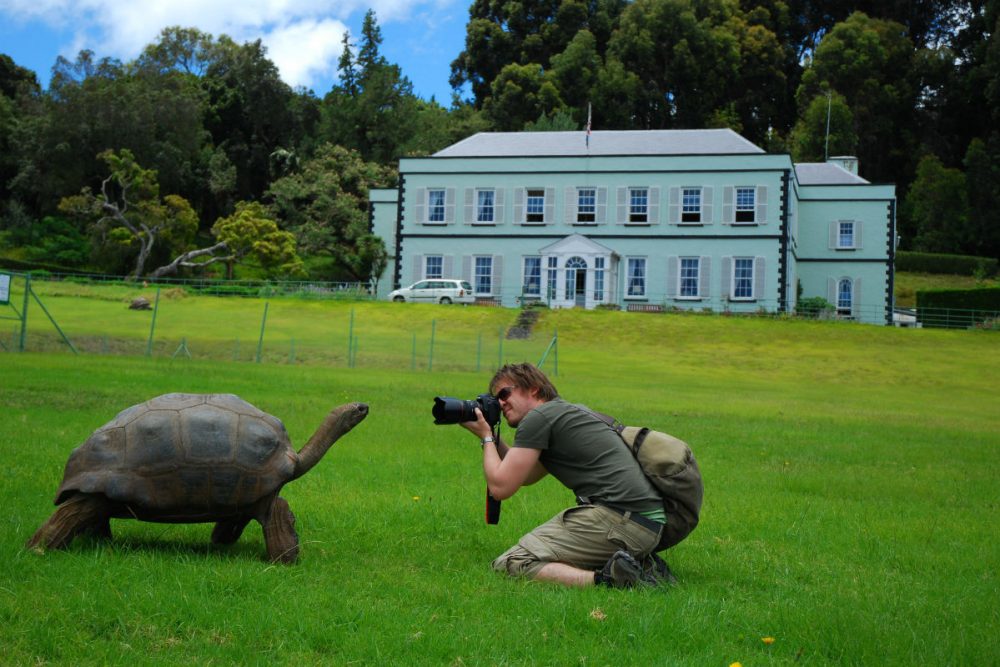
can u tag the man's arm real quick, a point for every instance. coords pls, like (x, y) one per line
(507, 469)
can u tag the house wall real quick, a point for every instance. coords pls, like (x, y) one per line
(789, 245)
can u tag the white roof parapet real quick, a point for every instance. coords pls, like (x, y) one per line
(826, 173)
(605, 142)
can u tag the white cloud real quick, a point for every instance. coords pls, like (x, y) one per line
(302, 36)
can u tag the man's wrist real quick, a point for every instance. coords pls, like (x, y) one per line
(483, 441)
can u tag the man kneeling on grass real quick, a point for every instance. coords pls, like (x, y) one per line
(610, 536)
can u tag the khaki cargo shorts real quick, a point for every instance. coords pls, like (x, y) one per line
(585, 536)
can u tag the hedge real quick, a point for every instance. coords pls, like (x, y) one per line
(962, 265)
(986, 298)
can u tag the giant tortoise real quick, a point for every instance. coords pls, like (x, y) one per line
(190, 458)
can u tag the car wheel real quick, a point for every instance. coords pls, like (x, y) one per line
(445, 300)
(398, 299)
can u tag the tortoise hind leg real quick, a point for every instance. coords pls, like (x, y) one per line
(80, 513)
(227, 532)
(279, 531)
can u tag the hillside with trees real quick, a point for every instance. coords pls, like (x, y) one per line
(196, 156)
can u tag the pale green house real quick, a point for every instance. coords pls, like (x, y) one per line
(690, 219)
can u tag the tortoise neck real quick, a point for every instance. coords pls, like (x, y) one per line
(328, 433)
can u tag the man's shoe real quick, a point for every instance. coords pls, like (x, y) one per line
(622, 571)
(657, 570)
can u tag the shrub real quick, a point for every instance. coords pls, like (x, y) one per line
(962, 265)
(957, 307)
(814, 306)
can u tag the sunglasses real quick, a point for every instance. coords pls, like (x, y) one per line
(505, 393)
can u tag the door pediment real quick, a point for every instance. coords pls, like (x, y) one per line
(575, 244)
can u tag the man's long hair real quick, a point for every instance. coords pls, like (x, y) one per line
(526, 376)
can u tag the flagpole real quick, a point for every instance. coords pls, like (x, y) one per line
(588, 125)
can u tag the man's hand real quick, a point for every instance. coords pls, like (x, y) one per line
(479, 428)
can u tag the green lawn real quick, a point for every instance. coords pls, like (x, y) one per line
(850, 510)
(907, 284)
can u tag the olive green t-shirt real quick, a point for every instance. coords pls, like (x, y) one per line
(587, 456)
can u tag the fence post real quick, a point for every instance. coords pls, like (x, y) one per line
(430, 360)
(350, 341)
(24, 312)
(263, 323)
(152, 326)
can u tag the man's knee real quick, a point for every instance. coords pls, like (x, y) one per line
(518, 562)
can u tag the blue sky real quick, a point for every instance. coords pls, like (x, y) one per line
(303, 37)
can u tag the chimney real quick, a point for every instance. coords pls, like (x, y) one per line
(848, 163)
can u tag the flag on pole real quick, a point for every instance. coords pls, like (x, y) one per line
(588, 125)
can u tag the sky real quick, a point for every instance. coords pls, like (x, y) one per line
(303, 37)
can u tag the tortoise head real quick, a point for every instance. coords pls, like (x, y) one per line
(338, 422)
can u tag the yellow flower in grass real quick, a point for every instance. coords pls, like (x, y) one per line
(767, 640)
(736, 664)
(416, 497)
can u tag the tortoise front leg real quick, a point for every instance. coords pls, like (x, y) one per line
(279, 531)
(80, 513)
(227, 532)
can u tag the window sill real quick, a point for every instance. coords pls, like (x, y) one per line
(691, 224)
(689, 298)
(637, 298)
(744, 224)
(735, 299)
(585, 224)
(845, 249)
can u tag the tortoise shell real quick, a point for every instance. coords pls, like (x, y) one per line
(183, 456)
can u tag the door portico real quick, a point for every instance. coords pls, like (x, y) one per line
(579, 272)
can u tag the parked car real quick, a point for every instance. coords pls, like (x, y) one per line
(435, 291)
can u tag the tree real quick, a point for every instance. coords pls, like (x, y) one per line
(870, 63)
(520, 94)
(251, 232)
(937, 208)
(983, 177)
(326, 206)
(808, 141)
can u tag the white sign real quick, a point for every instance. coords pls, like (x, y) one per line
(4, 288)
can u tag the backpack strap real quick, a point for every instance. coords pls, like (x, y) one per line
(612, 423)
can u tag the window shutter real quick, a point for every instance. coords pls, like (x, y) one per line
(622, 205)
(761, 217)
(672, 277)
(727, 278)
(497, 275)
(470, 205)
(856, 298)
(418, 268)
(758, 278)
(833, 234)
(448, 265)
(728, 212)
(704, 268)
(602, 206)
(498, 217)
(569, 206)
(674, 213)
(550, 205)
(467, 268)
(449, 206)
(857, 234)
(706, 205)
(831, 291)
(519, 213)
(653, 216)
(418, 209)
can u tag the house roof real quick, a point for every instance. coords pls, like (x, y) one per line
(607, 142)
(825, 173)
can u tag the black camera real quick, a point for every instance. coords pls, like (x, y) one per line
(449, 410)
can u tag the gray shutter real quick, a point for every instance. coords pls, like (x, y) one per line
(498, 212)
(831, 291)
(706, 204)
(674, 213)
(833, 234)
(727, 278)
(705, 270)
(857, 234)
(758, 278)
(497, 275)
(671, 277)
(569, 207)
(856, 298)
(622, 205)
(761, 218)
(418, 209)
(550, 205)
(519, 200)
(653, 215)
(470, 205)
(602, 206)
(728, 210)
(448, 265)
(418, 268)
(449, 206)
